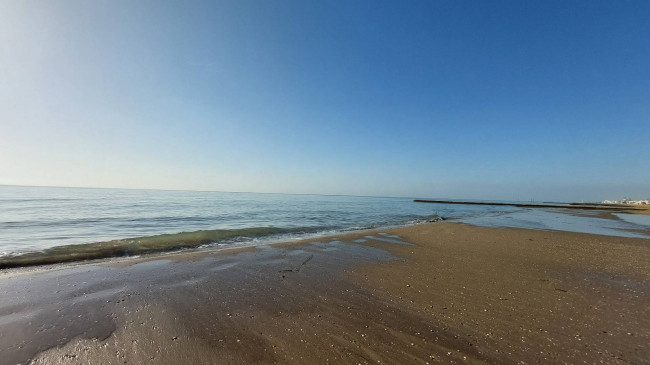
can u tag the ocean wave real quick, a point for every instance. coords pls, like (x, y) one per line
(125, 221)
(21, 200)
(144, 245)
(184, 240)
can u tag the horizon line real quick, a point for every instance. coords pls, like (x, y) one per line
(205, 191)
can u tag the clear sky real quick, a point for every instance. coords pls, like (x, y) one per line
(545, 100)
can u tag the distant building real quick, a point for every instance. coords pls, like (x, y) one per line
(628, 201)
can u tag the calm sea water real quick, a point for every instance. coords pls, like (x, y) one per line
(94, 223)
(38, 218)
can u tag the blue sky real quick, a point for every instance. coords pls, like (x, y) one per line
(545, 100)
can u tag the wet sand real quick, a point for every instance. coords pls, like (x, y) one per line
(644, 211)
(435, 293)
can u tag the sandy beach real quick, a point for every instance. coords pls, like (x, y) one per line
(433, 293)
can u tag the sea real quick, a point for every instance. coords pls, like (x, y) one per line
(48, 225)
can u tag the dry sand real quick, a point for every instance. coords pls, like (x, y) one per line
(437, 293)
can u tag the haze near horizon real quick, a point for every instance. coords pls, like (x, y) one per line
(506, 100)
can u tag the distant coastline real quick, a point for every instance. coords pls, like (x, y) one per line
(589, 206)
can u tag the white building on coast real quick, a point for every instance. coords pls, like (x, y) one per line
(628, 201)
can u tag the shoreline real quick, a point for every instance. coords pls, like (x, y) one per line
(171, 243)
(30, 267)
(134, 247)
(438, 292)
